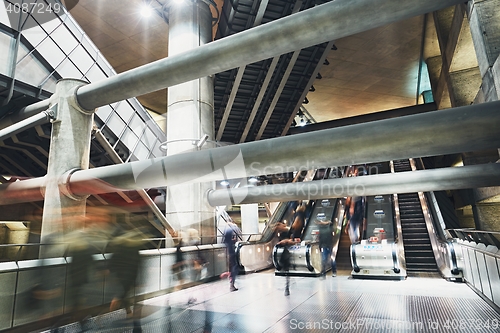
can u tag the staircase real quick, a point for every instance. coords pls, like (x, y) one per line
(417, 244)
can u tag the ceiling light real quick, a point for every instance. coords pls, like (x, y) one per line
(252, 180)
(146, 10)
(224, 183)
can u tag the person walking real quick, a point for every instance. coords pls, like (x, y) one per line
(231, 234)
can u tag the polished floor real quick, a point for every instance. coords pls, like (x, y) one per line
(334, 304)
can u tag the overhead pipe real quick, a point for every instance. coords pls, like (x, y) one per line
(26, 112)
(142, 193)
(452, 178)
(37, 119)
(323, 23)
(450, 131)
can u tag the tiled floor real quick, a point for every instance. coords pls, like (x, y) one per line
(340, 304)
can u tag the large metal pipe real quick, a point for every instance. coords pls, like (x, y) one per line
(26, 112)
(326, 22)
(402, 182)
(462, 129)
(37, 119)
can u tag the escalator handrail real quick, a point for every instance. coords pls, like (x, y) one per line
(308, 258)
(395, 262)
(275, 258)
(355, 266)
(453, 257)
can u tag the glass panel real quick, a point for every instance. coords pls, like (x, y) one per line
(125, 111)
(51, 52)
(81, 58)
(50, 84)
(116, 124)
(31, 71)
(149, 138)
(71, 26)
(21, 52)
(89, 46)
(105, 66)
(6, 49)
(141, 152)
(51, 25)
(34, 35)
(95, 74)
(104, 111)
(137, 125)
(64, 39)
(156, 152)
(4, 18)
(69, 70)
(129, 139)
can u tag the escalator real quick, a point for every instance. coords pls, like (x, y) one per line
(379, 253)
(305, 257)
(417, 244)
(254, 254)
(343, 257)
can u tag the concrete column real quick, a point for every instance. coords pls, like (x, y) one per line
(484, 22)
(190, 115)
(69, 150)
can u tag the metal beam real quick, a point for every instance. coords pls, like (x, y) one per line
(323, 23)
(452, 178)
(463, 129)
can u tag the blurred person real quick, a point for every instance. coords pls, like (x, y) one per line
(325, 245)
(80, 267)
(299, 221)
(124, 267)
(231, 234)
(355, 208)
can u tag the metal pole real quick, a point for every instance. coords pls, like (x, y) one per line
(37, 119)
(452, 178)
(326, 22)
(25, 112)
(462, 129)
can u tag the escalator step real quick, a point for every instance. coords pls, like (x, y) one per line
(415, 240)
(420, 260)
(416, 235)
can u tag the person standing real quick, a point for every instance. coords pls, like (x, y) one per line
(325, 245)
(356, 217)
(230, 237)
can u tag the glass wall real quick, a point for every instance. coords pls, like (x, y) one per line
(52, 46)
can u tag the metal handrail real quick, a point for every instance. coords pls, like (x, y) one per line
(477, 236)
(399, 230)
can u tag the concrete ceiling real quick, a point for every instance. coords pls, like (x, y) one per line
(369, 72)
